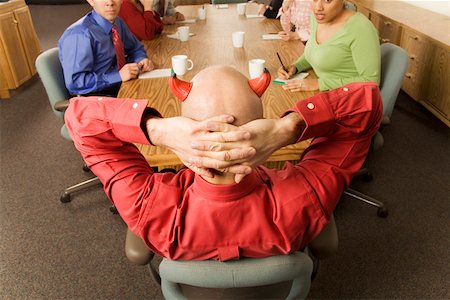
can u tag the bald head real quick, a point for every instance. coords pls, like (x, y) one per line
(220, 90)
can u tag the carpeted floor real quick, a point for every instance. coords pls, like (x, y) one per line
(51, 250)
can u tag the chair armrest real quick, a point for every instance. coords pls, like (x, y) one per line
(61, 105)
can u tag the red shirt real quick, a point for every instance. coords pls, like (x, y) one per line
(144, 26)
(181, 216)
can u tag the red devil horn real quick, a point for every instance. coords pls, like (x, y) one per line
(260, 84)
(179, 88)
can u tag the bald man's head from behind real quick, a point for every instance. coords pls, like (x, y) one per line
(221, 90)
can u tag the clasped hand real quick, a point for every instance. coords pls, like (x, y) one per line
(217, 144)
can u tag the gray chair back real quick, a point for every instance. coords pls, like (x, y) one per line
(276, 277)
(394, 63)
(50, 71)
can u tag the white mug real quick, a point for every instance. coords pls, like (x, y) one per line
(241, 8)
(256, 67)
(180, 64)
(183, 33)
(202, 13)
(238, 39)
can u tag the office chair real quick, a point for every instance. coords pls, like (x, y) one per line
(50, 71)
(276, 277)
(394, 62)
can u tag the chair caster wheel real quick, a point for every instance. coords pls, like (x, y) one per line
(65, 198)
(86, 168)
(382, 212)
(367, 177)
(113, 210)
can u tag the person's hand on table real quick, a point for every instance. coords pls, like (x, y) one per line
(302, 85)
(146, 65)
(266, 136)
(129, 71)
(288, 36)
(183, 136)
(262, 9)
(147, 4)
(179, 16)
(286, 74)
(169, 20)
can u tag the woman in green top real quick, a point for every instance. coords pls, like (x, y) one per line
(343, 48)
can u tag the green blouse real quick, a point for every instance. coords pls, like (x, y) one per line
(351, 55)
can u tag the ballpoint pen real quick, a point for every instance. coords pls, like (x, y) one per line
(279, 58)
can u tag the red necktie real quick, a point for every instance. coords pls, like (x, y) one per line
(120, 56)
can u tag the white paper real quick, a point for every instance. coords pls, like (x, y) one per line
(298, 76)
(187, 21)
(158, 73)
(270, 37)
(222, 5)
(253, 16)
(279, 14)
(175, 36)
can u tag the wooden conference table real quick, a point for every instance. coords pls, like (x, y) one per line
(212, 45)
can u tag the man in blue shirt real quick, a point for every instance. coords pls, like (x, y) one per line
(88, 55)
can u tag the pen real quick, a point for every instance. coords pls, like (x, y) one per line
(284, 68)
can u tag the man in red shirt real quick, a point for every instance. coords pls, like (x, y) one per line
(195, 217)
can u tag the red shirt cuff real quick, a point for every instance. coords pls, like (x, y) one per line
(317, 114)
(127, 124)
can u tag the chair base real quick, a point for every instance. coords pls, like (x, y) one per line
(66, 196)
(382, 211)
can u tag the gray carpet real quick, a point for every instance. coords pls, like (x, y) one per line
(50, 250)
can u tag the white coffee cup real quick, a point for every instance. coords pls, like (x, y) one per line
(241, 7)
(256, 67)
(202, 13)
(238, 39)
(183, 33)
(180, 64)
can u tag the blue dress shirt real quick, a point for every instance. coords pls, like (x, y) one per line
(88, 57)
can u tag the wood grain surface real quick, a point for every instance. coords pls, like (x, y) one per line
(212, 45)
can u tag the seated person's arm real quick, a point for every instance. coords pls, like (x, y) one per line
(144, 26)
(345, 119)
(78, 66)
(273, 9)
(104, 132)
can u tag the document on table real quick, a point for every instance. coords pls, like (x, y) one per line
(221, 6)
(158, 73)
(253, 16)
(175, 35)
(186, 21)
(298, 76)
(270, 36)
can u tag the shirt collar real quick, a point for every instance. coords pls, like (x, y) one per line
(102, 22)
(227, 192)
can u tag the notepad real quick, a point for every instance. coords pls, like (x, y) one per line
(270, 37)
(222, 6)
(158, 73)
(175, 36)
(187, 21)
(298, 76)
(254, 16)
